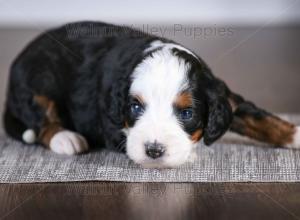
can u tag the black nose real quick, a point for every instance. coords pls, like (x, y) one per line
(154, 150)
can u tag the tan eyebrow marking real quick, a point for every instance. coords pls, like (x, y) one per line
(139, 98)
(184, 100)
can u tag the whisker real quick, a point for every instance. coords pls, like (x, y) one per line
(121, 145)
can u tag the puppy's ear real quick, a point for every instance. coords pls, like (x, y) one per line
(219, 119)
(117, 102)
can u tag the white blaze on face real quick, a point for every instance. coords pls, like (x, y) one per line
(158, 80)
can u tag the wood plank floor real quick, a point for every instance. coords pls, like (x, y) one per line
(107, 200)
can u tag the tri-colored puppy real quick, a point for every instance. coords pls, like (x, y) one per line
(126, 90)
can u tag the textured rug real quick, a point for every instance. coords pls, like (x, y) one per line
(232, 159)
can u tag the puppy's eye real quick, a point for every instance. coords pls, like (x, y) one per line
(186, 114)
(136, 109)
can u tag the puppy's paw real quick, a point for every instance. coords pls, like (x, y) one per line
(296, 140)
(67, 142)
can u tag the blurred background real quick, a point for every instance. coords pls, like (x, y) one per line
(253, 45)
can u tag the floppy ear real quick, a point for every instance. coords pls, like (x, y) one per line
(116, 103)
(219, 119)
(117, 100)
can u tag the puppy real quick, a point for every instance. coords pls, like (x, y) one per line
(128, 91)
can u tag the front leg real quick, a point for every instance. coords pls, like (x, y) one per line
(258, 124)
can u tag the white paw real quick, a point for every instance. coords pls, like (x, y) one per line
(67, 142)
(296, 140)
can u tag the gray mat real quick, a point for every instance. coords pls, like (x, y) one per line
(232, 159)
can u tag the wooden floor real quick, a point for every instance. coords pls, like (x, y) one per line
(100, 200)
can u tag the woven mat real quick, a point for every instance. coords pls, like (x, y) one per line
(232, 159)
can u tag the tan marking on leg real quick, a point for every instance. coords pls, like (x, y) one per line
(196, 136)
(52, 123)
(48, 131)
(49, 107)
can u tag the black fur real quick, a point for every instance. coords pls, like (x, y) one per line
(88, 77)
(213, 112)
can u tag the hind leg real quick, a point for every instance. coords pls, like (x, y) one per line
(34, 119)
(52, 133)
(258, 124)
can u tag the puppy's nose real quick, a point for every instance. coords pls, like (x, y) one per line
(154, 149)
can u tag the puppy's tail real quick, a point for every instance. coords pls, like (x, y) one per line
(261, 125)
(17, 130)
